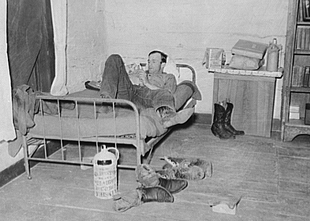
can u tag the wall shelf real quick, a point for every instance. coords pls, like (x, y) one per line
(260, 72)
(300, 89)
(301, 52)
(297, 57)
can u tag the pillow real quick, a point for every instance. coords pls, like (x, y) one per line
(171, 68)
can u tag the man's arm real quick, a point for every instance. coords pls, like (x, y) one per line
(150, 86)
(145, 81)
(168, 82)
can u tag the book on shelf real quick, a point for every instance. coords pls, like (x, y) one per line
(306, 9)
(249, 49)
(298, 76)
(307, 76)
(303, 38)
(301, 76)
(305, 82)
(298, 38)
(300, 12)
(307, 39)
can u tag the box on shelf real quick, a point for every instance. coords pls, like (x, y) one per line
(214, 58)
(249, 49)
(294, 109)
(295, 116)
(294, 112)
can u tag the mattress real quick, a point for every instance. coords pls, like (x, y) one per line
(81, 120)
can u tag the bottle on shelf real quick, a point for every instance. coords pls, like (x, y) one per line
(273, 56)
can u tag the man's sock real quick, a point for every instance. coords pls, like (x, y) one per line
(165, 112)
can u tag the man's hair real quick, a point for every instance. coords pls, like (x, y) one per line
(163, 55)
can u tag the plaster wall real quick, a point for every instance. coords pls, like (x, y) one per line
(86, 41)
(183, 29)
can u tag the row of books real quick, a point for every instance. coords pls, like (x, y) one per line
(301, 76)
(303, 38)
(304, 10)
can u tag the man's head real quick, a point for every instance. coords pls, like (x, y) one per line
(156, 62)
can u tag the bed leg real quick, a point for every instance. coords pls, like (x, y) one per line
(139, 155)
(26, 161)
(149, 157)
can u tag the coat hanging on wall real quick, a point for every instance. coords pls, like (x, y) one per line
(7, 131)
(30, 43)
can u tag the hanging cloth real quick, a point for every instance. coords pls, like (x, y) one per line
(59, 16)
(7, 131)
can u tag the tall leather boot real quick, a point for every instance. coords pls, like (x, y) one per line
(218, 128)
(227, 123)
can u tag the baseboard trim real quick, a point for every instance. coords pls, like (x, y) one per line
(18, 168)
(12, 172)
(207, 119)
(203, 118)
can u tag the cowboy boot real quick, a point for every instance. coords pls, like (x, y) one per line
(155, 194)
(227, 124)
(218, 128)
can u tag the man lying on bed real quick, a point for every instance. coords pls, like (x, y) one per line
(156, 89)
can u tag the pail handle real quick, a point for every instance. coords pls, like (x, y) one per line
(116, 152)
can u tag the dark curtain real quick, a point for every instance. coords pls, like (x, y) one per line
(30, 43)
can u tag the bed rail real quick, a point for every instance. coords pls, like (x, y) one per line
(59, 101)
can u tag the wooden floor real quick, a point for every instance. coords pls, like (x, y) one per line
(272, 177)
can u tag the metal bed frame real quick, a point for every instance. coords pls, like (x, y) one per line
(135, 140)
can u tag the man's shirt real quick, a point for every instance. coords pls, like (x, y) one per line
(164, 81)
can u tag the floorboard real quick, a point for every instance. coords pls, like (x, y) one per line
(271, 177)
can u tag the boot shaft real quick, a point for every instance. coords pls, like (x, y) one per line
(218, 126)
(227, 121)
(228, 112)
(219, 113)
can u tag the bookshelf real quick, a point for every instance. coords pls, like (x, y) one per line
(296, 77)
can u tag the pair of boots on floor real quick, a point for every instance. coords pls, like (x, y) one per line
(160, 185)
(153, 188)
(221, 126)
